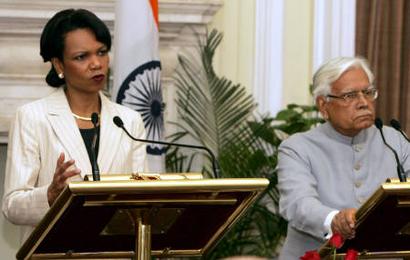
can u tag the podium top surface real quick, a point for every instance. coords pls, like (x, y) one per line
(97, 219)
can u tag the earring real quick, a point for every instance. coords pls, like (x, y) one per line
(61, 75)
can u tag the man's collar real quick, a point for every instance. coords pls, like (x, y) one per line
(357, 139)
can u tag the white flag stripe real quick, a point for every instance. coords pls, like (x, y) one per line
(137, 70)
(136, 38)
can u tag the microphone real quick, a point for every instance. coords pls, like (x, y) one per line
(118, 122)
(94, 164)
(400, 171)
(396, 125)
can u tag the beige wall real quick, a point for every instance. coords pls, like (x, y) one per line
(235, 56)
(298, 38)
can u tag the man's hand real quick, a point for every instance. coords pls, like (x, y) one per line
(343, 223)
(62, 173)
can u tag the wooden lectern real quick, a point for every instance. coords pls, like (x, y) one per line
(383, 225)
(136, 216)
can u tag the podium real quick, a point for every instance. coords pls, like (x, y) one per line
(382, 225)
(139, 216)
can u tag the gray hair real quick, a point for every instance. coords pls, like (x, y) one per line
(333, 69)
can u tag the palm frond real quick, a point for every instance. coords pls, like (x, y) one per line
(212, 107)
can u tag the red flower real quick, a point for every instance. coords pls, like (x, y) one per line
(336, 240)
(311, 255)
(351, 254)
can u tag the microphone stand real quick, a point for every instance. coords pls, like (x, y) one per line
(400, 171)
(118, 122)
(396, 125)
(94, 164)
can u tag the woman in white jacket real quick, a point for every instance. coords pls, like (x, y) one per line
(50, 139)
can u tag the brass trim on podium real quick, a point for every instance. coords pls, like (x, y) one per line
(136, 216)
(382, 225)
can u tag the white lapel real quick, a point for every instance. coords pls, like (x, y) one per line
(110, 136)
(66, 130)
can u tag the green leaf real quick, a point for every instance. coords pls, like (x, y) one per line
(287, 114)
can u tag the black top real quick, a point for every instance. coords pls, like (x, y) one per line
(88, 135)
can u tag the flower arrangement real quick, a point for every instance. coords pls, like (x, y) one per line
(336, 241)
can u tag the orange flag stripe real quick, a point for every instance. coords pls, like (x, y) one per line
(154, 7)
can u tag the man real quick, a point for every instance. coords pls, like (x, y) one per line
(325, 174)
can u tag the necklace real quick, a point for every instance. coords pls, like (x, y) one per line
(81, 117)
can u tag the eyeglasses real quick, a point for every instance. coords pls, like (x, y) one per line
(369, 93)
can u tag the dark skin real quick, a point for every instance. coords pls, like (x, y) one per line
(343, 223)
(85, 68)
(64, 170)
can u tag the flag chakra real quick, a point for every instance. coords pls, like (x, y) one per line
(141, 91)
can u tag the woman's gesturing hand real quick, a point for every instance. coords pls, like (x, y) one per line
(64, 170)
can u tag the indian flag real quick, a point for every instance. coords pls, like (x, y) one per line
(137, 69)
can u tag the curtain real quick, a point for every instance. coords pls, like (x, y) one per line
(383, 37)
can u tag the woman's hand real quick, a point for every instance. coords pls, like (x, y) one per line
(62, 173)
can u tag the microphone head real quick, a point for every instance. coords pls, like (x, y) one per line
(379, 123)
(395, 124)
(118, 121)
(94, 118)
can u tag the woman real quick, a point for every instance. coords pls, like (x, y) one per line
(50, 139)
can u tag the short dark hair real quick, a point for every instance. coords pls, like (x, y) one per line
(54, 32)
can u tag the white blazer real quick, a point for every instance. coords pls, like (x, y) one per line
(45, 128)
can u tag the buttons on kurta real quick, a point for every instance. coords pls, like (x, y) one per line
(357, 147)
(358, 184)
(360, 200)
(360, 171)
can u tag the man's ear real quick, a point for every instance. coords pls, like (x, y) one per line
(58, 65)
(321, 104)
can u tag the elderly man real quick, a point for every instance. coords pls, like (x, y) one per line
(325, 174)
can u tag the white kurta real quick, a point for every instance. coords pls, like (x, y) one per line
(45, 128)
